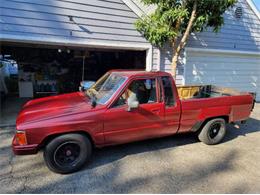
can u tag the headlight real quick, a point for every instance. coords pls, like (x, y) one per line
(21, 138)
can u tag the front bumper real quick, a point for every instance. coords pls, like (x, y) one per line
(23, 149)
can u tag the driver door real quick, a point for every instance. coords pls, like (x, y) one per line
(122, 125)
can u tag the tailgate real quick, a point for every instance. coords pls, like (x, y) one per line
(254, 99)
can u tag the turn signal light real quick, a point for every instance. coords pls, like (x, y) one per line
(21, 138)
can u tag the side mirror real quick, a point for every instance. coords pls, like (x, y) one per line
(85, 85)
(132, 102)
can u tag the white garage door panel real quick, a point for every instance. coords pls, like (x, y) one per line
(240, 71)
(233, 61)
(218, 66)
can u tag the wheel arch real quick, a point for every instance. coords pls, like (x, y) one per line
(50, 137)
(203, 123)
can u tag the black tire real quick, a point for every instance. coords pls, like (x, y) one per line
(67, 153)
(213, 132)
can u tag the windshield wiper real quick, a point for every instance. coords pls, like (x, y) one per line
(93, 102)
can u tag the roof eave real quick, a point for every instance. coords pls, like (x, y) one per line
(135, 8)
(253, 7)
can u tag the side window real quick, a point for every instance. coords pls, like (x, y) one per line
(144, 90)
(168, 91)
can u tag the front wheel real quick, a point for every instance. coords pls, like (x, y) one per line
(67, 153)
(213, 132)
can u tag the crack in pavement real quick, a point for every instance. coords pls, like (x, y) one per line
(24, 186)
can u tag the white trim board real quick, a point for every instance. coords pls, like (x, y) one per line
(86, 44)
(139, 8)
(140, 11)
(135, 8)
(222, 51)
(253, 7)
(149, 59)
(68, 42)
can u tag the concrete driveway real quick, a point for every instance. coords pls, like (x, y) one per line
(177, 164)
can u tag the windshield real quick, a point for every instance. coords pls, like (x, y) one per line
(100, 81)
(106, 87)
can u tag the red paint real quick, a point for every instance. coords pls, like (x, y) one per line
(73, 112)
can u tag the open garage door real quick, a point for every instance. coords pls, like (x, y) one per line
(236, 70)
(31, 71)
(44, 71)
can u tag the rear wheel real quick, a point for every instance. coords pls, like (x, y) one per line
(213, 132)
(67, 153)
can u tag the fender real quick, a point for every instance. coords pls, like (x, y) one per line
(213, 112)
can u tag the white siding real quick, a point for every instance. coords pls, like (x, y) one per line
(239, 71)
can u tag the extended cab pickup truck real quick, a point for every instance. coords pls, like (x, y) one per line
(124, 106)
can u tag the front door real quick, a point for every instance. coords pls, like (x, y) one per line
(122, 125)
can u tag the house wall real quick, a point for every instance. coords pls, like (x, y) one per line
(236, 34)
(107, 21)
(155, 59)
(163, 56)
(112, 22)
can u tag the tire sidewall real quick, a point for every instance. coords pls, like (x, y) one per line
(85, 152)
(204, 134)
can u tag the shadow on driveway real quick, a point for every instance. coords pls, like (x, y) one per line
(113, 153)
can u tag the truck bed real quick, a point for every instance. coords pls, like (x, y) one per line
(208, 101)
(205, 91)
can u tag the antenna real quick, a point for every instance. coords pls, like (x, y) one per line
(83, 67)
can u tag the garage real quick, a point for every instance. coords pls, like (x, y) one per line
(30, 71)
(239, 70)
(47, 41)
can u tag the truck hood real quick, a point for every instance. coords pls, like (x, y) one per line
(50, 107)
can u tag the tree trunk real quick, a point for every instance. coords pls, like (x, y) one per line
(178, 47)
(174, 47)
(174, 64)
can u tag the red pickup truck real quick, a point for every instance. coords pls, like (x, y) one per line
(124, 106)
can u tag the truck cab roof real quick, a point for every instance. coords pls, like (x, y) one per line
(136, 73)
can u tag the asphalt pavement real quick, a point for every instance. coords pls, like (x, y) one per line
(176, 164)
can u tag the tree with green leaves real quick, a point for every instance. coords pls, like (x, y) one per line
(174, 20)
